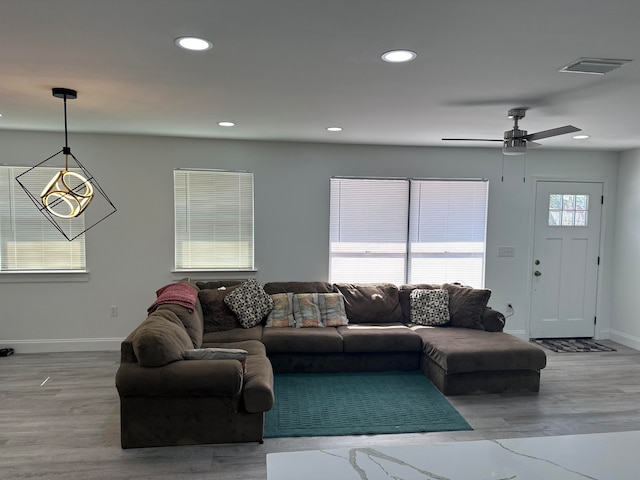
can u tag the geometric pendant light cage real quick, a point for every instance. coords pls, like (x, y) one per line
(64, 191)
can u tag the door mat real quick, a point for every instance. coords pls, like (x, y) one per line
(573, 345)
(327, 404)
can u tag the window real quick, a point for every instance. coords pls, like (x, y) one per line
(28, 241)
(213, 220)
(408, 231)
(368, 230)
(568, 210)
(447, 230)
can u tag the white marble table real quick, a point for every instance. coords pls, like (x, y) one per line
(611, 456)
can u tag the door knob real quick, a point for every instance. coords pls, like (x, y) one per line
(537, 273)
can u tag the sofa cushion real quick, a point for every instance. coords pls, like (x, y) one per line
(493, 320)
(466, 305)
(192, 320)
(379, 338)
(404, 292)
(217, 314)
(253, 347)
(160, 339)
(429, 307)
(282, 313)
(371, 302)
(216, 284)
(458, 350)
(250, 303)
(302, 340)
(298, 287)
(235, 335)
(257, 385)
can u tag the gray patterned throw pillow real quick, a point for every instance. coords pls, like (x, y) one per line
(250, 303)
(429, 307)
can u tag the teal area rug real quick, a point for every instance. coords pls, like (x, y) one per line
(326, 404)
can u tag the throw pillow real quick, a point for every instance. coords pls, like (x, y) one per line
(282, 313)
(332, 309)
(306, 310)
(429, 307)
(466, 305)
(217, 354)
(250, 303)
(218, 317)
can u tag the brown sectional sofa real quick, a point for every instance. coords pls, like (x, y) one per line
(166, 400)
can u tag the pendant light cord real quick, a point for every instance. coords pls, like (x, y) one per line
(66, 150)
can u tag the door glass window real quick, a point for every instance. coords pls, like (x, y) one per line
(568, 210)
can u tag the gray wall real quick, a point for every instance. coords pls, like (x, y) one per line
(130, 255)
(625, 327)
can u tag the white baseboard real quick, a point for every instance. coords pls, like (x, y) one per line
(62, 345)
(625, 339)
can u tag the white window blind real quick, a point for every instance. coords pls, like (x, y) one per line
(368, 230)
(408, 231)
(213, 220)
(28, 241)
(447, 231)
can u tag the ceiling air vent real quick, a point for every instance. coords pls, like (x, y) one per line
(594, 66)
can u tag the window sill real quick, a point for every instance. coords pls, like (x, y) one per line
(209, 274)
(44, 277)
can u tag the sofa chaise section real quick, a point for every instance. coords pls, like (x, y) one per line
(461, 361)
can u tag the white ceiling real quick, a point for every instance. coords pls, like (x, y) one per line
(287, 69)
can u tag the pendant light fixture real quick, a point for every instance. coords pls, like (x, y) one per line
(70, 190)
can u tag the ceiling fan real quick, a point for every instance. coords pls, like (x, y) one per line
(516, 141)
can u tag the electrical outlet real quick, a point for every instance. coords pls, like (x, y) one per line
(509, 308)
(114, 310)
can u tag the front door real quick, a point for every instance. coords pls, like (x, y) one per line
(565, 259)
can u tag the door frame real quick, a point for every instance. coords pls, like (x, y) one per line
(605, 260)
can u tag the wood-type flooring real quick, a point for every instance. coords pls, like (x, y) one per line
(59, 419)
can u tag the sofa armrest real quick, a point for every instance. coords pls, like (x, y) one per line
(493, 320)
(184, 378)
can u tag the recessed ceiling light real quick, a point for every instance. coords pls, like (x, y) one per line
(194, 43)
(399, 56)
(226, 124)
(334, 129)
(580, 137)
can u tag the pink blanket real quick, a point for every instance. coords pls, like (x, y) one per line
(178, 294)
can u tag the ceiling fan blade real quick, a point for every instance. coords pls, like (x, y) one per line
(533, 144)
(552, 133)
(472, 140)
